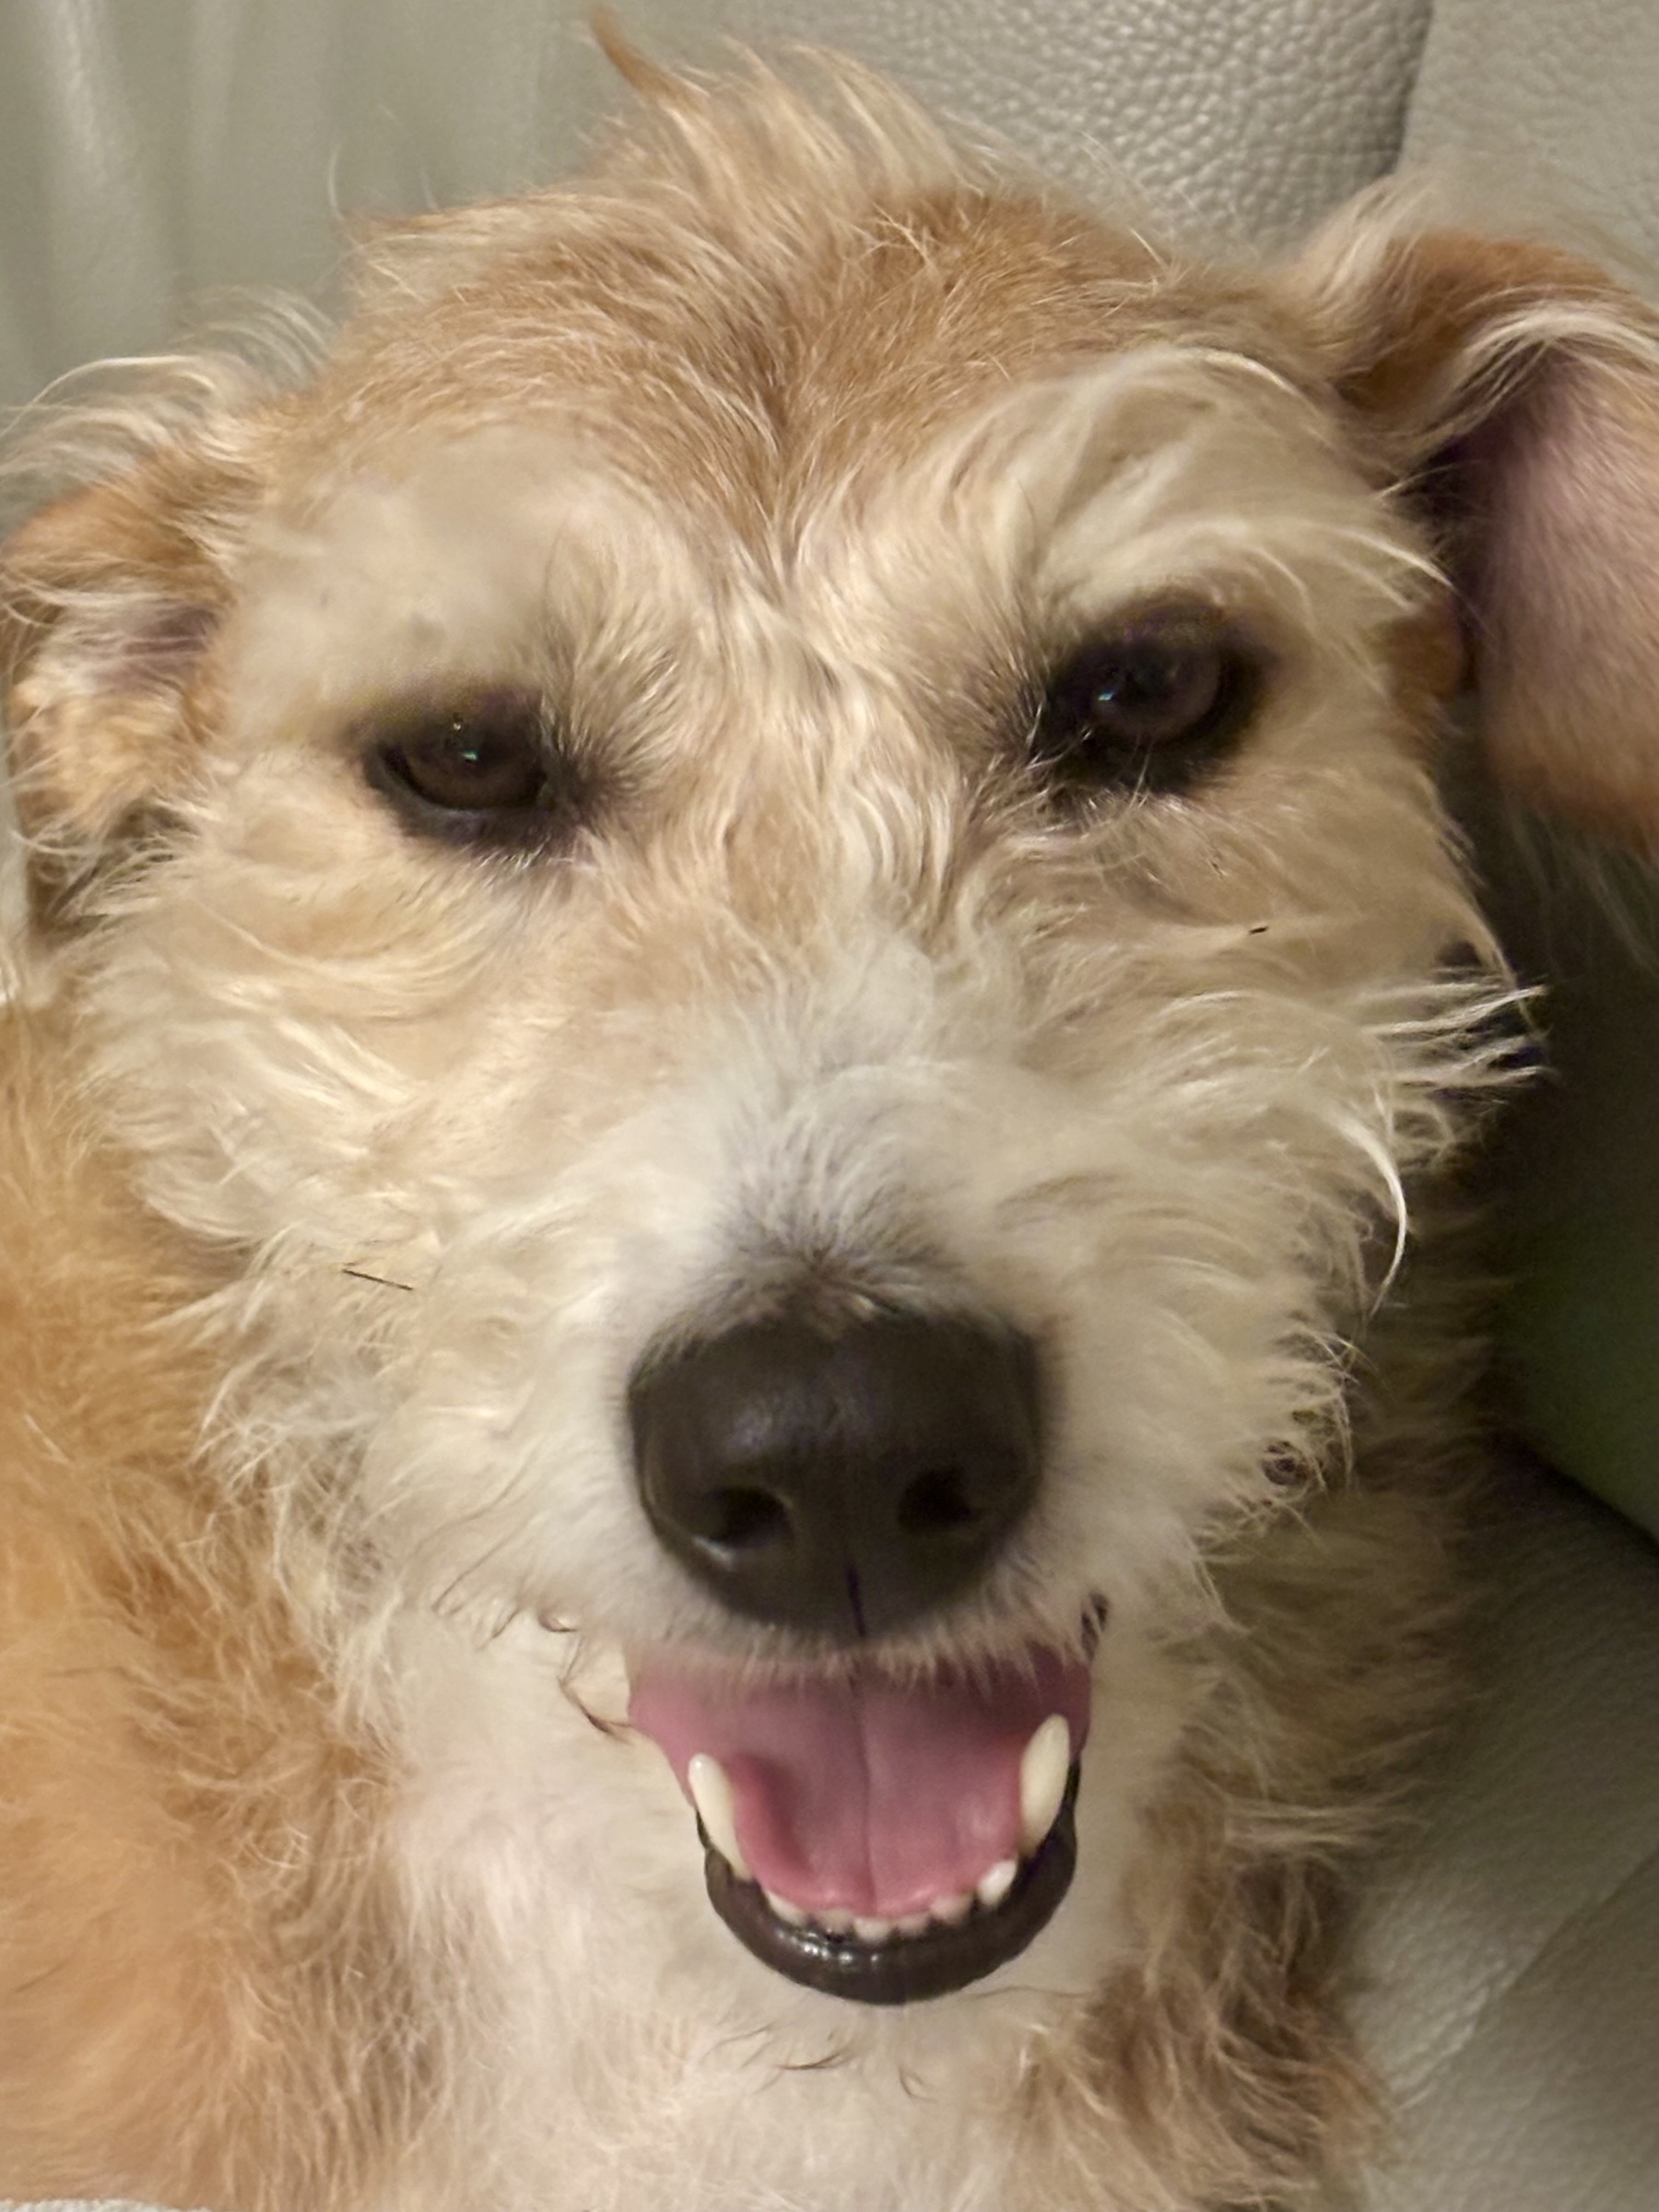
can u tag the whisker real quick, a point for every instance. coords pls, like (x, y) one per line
(361, 1275)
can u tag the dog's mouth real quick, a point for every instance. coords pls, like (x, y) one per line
(874, 1839)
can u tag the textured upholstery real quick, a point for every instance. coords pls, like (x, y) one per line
(153, 148)
(150, 152)
(1557, 101)
(1513, 1956)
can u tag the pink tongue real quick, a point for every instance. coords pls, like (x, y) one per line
(866, 1797)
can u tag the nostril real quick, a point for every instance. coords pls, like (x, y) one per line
(734, 1519)
(937, 1503)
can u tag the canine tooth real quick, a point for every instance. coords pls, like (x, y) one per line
(712, 1795)
(953, 1909)
(871, 1931)
(791, 1915)
(1043, 1768)
(996, 1885)
(914, 1923)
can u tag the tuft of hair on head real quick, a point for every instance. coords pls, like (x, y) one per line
(662, 87)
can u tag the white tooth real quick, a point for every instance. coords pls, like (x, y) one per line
(791, 1915)
(997, 1883)
(953, 1909)
(1043, 1768)
(914, 1923)
(833, 1921)
(871, 1931)
(712, 1795)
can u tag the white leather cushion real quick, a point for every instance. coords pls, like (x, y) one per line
(149, 152)
(1249, 115)
(1557, 100)
(1511, 1952)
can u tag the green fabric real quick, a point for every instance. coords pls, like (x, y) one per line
(1578, 1182)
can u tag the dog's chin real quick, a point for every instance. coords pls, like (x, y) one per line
(875, 1837)
(909, 1965)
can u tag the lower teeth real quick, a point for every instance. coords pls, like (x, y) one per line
(906, 1961)
(948, 1912)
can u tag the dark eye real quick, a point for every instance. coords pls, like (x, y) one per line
(482, 770)
(1148, 708)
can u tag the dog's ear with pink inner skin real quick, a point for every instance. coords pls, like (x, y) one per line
(1513, 391)
(108, 598)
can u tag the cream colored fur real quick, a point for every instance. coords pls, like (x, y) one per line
(348, 1175)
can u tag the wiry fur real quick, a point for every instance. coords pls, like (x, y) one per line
(348, 1176)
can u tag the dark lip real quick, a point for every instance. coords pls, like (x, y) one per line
(907, 1970)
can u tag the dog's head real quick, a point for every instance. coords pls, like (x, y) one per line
(771, 855)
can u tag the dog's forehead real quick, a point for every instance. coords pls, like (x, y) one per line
(481, 552)
(830, 344)
(604, 403)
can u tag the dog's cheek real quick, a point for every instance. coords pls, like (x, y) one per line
(1142, 1209)
(291, 1020)
(247, 1128)
(505, 1467)
(501, 1471)
(1179, 1334)
(1197, 1233)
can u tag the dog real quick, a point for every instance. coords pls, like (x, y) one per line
(741, 1373)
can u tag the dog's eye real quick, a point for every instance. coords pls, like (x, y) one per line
(483, 771)
(1148, 708)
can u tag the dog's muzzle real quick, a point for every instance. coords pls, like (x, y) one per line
(877, 1838)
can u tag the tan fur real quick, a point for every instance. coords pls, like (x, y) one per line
(347, 1173)
(189, 1912)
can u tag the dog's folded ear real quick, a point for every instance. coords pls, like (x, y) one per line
(1512, 392)
(109, 596)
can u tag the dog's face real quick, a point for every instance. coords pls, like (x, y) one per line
(791, 907)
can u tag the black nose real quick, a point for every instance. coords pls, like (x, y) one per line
(844, 1482)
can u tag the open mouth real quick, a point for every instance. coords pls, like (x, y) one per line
(876, 1840)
